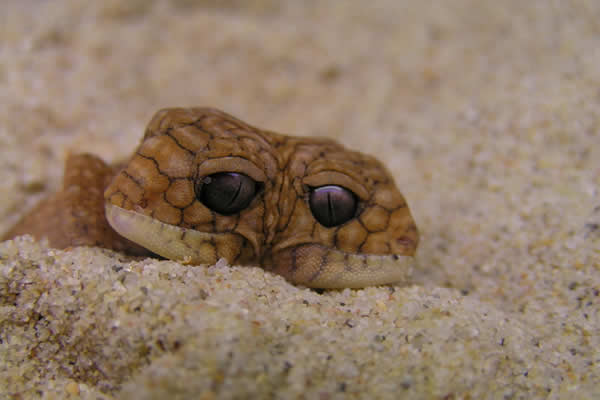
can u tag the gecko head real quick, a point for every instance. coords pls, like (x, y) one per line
(348, 224)
(193, 190)
(203, 185)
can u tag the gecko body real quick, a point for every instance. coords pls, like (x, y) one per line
(203, 185)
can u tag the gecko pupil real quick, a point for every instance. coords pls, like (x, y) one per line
(226, 192)
(332, 205)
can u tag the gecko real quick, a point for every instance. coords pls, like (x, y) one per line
(203, 185)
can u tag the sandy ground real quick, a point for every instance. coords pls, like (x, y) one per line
(487, 113)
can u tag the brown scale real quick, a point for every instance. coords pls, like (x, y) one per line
(157, 201)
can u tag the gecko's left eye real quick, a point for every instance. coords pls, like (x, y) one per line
(226, 192)
(332, 205)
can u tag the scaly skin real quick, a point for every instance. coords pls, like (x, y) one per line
(153, 202)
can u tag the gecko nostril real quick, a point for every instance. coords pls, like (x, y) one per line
(404, 242)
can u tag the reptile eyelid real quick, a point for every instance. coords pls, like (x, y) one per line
(324, 178)
(231, 164)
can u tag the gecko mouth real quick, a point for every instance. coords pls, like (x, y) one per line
(175, 243)
(312, 265)
(317, 266)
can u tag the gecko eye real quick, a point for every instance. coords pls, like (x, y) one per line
(226, 192)
(332, 205)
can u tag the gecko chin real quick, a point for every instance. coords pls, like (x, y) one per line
(175, 243)
(317, 266)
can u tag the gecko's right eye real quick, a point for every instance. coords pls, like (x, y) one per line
(226, 192)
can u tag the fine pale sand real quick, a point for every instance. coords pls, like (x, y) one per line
(487, 114)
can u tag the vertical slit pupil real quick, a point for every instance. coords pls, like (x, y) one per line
(238, 188)
(226, 192)
(332, 205)
(331, 209)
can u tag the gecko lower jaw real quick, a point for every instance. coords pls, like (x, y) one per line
(175, 243)
(317, 266)
(311, 265)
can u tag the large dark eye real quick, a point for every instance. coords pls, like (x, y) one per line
(332, 205)
(226, 192)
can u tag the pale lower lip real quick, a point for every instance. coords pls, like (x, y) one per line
(173, 242)
(321, 267)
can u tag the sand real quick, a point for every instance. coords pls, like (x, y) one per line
(487, 114)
